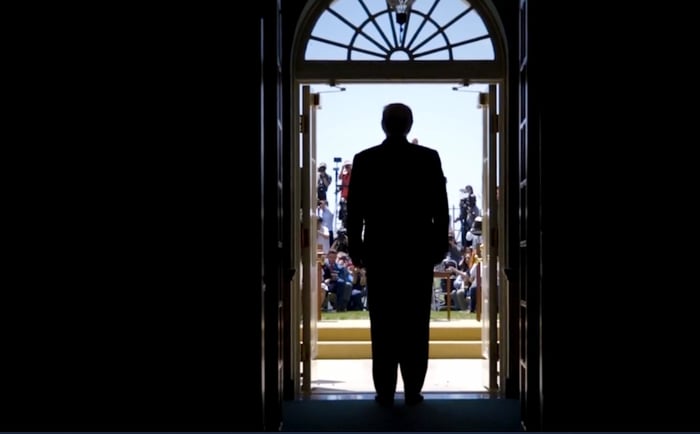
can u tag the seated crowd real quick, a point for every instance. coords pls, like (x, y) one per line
(464, 264)
(345, 285)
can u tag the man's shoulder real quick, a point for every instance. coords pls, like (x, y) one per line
(367, 152)
(381, 148)
(380, 153)
(424, 149)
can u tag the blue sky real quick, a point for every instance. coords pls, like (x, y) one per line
(446, 120)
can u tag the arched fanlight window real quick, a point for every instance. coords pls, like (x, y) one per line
(410, 30)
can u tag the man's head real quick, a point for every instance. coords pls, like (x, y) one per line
(397, 120)
(476, 226)
(332, 254)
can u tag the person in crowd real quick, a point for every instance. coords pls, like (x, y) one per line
(345, 174)
(468, 211)
(337, 279)
(341, 242)
(323, 180)
(327, 217)
(322, 236)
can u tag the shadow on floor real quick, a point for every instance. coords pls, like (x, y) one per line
(431, 416)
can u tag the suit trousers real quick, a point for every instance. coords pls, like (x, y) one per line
(399, 311)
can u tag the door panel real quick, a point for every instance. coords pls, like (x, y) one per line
(489, 287)
(529, 258)
(309, 292)
(274, 273)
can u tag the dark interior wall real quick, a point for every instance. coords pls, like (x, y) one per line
(615, 339)
(143, 309)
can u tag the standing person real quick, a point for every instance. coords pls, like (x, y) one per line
(323, 180)
(345, 175)
(327, 217)
(322, 236)
(399, 326)
(467, 211)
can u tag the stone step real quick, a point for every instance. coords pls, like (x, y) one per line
(350, 339)
(360, 333)
(444, 349)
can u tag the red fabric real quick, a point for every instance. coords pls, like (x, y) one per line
(344, 183)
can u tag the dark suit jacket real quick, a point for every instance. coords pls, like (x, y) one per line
(398, 195)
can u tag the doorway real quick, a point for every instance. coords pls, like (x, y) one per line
(449, 119)
(443, 44)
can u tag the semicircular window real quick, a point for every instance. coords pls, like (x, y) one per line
(369, 30)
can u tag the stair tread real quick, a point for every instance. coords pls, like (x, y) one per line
(366, 337)
(366, 327)
(449, 342)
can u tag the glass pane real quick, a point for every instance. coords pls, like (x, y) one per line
(481, 50)
(434, 31)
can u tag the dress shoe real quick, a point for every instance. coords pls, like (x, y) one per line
(414, 399)
(384, 400)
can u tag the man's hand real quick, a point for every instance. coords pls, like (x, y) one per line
(356, 253)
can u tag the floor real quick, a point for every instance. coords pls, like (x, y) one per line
(433, 415)
(445, 376)
(456, 401)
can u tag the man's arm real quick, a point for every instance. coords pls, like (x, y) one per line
(326, 272)
(356, 213)
(439, 209)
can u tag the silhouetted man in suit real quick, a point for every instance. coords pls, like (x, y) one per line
(399, 259)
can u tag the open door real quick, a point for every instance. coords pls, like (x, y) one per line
(489, 267)
(310, 282)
